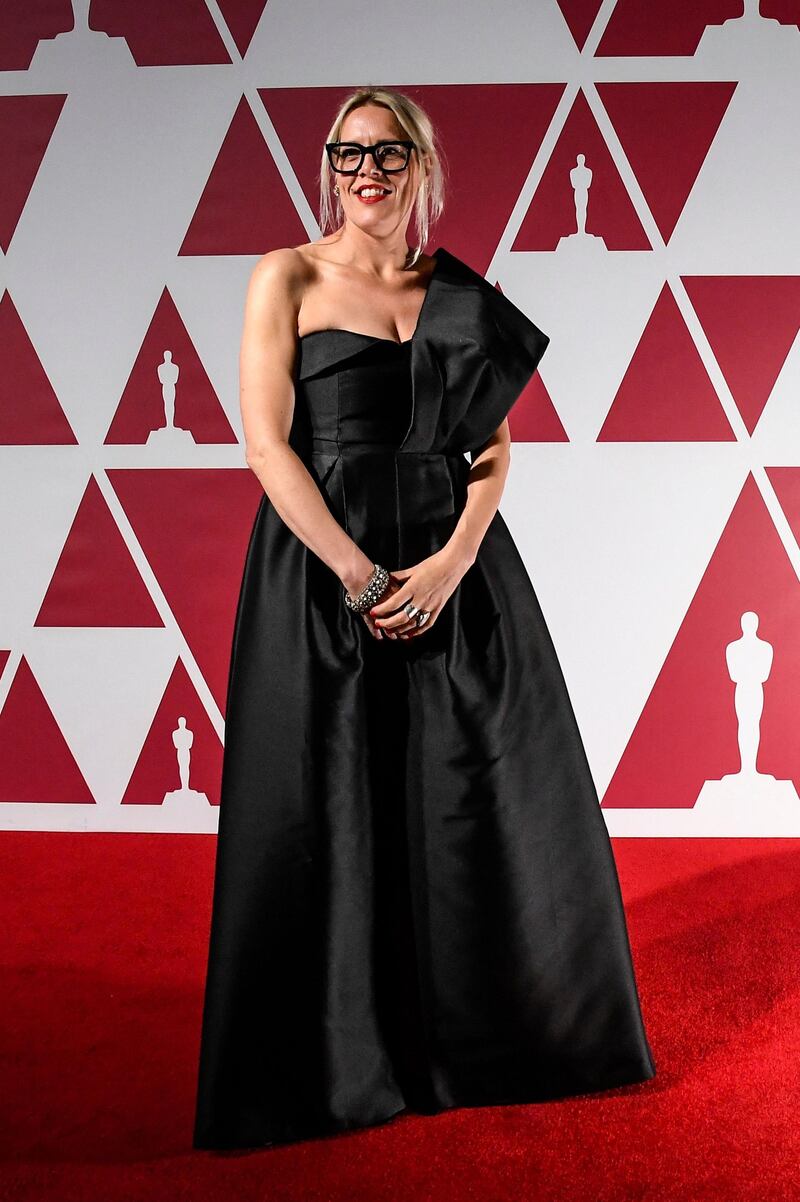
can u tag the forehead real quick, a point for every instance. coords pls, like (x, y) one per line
(370, 123)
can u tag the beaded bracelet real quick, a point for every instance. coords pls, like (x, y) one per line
(373, 590)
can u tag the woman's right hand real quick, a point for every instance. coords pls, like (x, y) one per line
(392, 587)
(354, 587)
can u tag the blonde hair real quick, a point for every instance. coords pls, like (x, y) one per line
(417, 125)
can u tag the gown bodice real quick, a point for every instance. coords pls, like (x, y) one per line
(353, 416)
(371, 402)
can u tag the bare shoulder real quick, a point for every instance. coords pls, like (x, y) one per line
(280, 275)
(277, 285)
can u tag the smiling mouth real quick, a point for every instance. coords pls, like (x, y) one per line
(372, 192)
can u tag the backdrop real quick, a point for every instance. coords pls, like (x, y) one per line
(627, 173)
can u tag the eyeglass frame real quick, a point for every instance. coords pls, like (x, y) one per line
(365, 150)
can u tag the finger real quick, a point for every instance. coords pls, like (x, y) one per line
(394, 622)
(372, 628)
(383, 633)
(389, 604)
(412, 634)
(405, 621)
(411, 624)
(408, 623)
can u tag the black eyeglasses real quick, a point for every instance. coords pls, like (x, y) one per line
(346, 158)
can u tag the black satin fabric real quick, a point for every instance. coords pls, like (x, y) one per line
(415, 899)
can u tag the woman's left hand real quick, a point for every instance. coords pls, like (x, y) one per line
(428, 585)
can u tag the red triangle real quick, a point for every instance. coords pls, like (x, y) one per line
(245, 208)
(26, 126)
(610, 215)
(642, 29)
(242, 18)
(30, 413)
(181, 33)
(580, 16)
(194, 526)
(666, 395)
(36, 765)
(532, 417)
(687, 732)
(156, 772)
(478, 203)
(197, 407)
(666, 130)
(786, 482)
(751, 323)
(96, 583)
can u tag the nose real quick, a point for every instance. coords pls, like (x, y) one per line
(371, 172)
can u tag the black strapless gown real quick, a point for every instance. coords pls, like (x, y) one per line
(415, 899)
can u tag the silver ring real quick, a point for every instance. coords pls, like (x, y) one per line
(422, 617)
(410, 609)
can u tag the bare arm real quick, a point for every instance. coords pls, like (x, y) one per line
(485, 484)
(266, 369)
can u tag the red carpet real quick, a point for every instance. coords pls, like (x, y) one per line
(103, 958)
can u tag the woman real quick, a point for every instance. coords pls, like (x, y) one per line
(415, 901)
